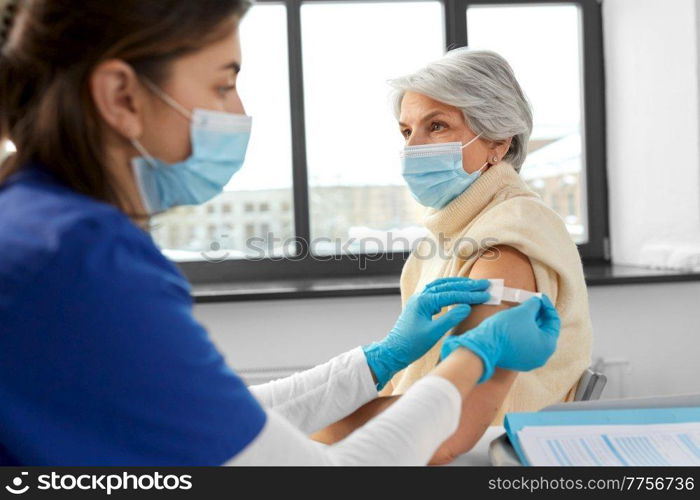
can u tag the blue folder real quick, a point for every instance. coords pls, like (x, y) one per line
(515, 421)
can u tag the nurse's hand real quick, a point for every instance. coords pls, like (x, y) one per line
(416, 331)
(521, 338)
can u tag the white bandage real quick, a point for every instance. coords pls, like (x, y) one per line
(500, 293)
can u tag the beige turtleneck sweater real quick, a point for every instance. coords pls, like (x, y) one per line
(499, 209)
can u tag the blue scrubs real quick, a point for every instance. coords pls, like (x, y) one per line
(101, 360)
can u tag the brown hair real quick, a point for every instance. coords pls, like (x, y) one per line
(46, 108)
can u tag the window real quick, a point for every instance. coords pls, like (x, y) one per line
(249, 231)
(572, 213)
(551, 76)
(322, 174)
(355, 183)
(174, 235)
(554, 203)
(267, 174)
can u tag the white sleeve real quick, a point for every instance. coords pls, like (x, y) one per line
(312, 399)
(407, 433)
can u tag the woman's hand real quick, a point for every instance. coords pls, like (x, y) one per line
(416, 331)
(522, 338)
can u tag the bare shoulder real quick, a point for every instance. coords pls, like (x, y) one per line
(506, 263)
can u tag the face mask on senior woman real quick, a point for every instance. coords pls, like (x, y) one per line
(435, 173)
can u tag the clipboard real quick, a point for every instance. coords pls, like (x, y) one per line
(501, 450)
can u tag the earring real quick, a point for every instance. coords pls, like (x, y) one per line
(495, 159)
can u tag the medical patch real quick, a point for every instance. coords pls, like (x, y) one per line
(500, 293)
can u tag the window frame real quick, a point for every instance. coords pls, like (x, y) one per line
(306, 266)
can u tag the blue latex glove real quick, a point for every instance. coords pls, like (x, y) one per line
(416, 332)
(521, 338)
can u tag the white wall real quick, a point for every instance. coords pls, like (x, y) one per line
(656, 328)
(653, 129)
(281, 334)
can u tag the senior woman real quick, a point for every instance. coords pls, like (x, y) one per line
(466, 123)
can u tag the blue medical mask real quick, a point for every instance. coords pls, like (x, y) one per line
(434, 172)
(219, 144)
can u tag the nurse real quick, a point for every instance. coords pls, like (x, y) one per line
(118, 111)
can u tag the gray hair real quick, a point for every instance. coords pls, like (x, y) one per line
(482, 85)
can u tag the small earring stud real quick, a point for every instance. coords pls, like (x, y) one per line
(495, 159)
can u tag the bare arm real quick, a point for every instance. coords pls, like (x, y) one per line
(482, 404)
